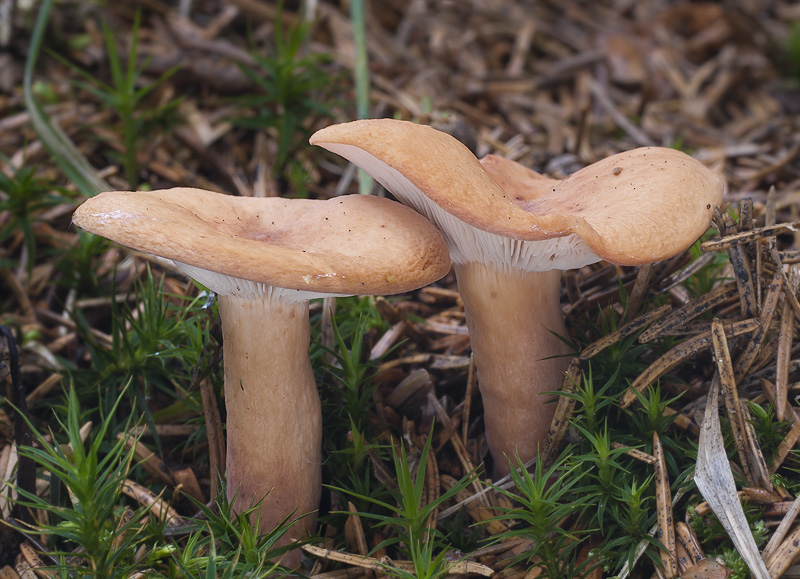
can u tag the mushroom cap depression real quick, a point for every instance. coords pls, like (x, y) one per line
(632, 208)
(354, 244)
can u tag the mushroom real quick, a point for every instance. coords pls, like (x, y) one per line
(265, 258)
(510, 233)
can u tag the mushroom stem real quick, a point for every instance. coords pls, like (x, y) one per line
(512, 316)
(274, 424)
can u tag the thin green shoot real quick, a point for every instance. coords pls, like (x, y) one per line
(58, 144)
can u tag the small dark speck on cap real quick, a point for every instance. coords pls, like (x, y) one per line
(708, 205)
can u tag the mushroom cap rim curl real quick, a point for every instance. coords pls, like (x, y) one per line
(635, 207)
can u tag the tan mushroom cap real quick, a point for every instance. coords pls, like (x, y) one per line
(632, 208)
(347, 245)
(517, 181)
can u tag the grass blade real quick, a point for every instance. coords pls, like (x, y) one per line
(58, 144)
(361, 78)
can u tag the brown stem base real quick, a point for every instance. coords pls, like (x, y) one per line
(511, 318)
(274, 423)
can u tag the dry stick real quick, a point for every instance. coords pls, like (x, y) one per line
(499, 548)
(790, 288)
(682, 275)
(683, 558)
(690, 311)
(666, 529)
(459, 447)
(765, 364)
(19, 293)
(770, 392)
(785, 554)
(186, 481)
(148, 459)
(754, 455)
(47, 315)
(564, 409)
(387, 340)
(638, 292)
(785, 446)
(216, 439)
(778, 509)
(36, 563)
(120, 530)
(620, 119)
(682, 421)
(704, 509)
(354, 521)
(348, 573)
(635, 453)
(743, 274)
(432, 485)
(752, 250)
(412, 388)
(782, 362)
(158, 506)
(707, 569)
(746, 214)
(748, 236)
(44, 388)
(23, 437)
(613, 337)
(737, 418)
(770, 215)
(760, 496)
(780, 532)
(790, 256)
(23, 570)
(162, 430)
(679, 353)
(472, 382)
(751, 350)
(458, 567)
(478, 513)
(718, 221)
(687, 538)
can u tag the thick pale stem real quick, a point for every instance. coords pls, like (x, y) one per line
(274, 425)
(511, 316)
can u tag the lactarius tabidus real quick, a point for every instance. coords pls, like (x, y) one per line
(265, 258)
(510, 233)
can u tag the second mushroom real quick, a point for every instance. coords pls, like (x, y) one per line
(511, 231)
(265, 258)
